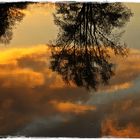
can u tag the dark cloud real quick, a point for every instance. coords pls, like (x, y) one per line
(27, 88)
(31, 95)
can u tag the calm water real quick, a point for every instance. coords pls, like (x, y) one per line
(36, 101)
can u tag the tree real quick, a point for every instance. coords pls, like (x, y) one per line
(81, 52)
(10, 14)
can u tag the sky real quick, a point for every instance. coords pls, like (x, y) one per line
(39, 28)
(35, 101)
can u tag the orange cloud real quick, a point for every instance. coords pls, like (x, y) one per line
(127, 69)
(13, 54)
(117, 86)
(34, 8)
(110, 128)
(28, 88)
(27, 85)
(21, 77)
(122, 117)
(11, 72)
(68, 107)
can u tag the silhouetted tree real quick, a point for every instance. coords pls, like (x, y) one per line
(81, 53)
(10, 14)
(84, 68)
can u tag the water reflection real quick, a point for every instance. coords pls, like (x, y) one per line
(83, 68)
(10, 14)
(35, 101)
(81, 53)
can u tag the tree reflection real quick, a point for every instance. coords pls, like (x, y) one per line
(10, 14)
(87, 36)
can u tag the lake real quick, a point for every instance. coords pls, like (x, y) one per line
(48, 91)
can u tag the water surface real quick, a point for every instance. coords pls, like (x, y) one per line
(36, 101)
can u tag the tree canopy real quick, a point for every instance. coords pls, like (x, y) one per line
(10, 14)
(81, 52)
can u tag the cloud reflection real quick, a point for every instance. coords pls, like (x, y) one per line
(110, 129)
(65, 107)
(30, 91)
(27, 86)
(122, 120)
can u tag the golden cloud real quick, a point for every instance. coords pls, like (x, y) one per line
(28, 88)
(68, 107)
(13, 75)
(110, 128)
(127, 69)
(122, 119)
(118, 86)
(34, 8)
(21, 77)
(11, 54)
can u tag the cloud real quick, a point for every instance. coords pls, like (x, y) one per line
(110, 128)
(27, 86)
(12, 74)
(21, 78)
(122, 119)
(127, 70)
(30, 91)
(68, 107)
(34, 9)
(116, 87)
